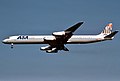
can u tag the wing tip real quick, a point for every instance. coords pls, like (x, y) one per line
(81, 22)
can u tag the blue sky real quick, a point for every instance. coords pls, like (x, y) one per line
(93, 62)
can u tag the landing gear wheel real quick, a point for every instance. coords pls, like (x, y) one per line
(11, 45)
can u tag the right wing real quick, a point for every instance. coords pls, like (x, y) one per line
(73, 28)
(66, 34)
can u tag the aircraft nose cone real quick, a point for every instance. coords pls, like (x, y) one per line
(4, 41)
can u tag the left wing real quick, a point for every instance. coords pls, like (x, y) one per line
(61, 38)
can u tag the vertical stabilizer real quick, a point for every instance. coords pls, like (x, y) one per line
(107, 30)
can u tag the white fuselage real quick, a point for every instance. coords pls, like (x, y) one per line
(34, 39)
(58, 40)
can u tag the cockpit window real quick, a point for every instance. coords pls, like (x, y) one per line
(7, 38)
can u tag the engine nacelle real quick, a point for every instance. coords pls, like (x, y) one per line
(58, 33)
(53, 50)
(45, 48)
(49, 38)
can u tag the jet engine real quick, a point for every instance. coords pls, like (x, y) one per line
(58, 33)
(45, 48)
(49, 39)
(53, 50)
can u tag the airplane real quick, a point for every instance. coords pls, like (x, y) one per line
(57, 40)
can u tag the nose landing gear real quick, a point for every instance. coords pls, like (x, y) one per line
(11, 45)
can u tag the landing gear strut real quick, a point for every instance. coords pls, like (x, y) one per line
(11, 45)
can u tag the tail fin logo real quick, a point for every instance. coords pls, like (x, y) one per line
(109, 26)
(107, 30)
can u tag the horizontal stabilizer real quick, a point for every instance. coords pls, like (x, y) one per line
(111, 35)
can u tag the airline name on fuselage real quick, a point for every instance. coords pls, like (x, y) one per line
(22, 37)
